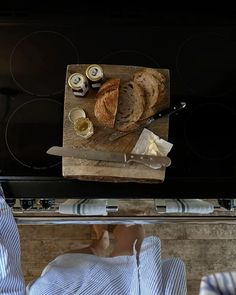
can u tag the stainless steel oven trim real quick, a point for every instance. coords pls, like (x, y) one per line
(123, 220)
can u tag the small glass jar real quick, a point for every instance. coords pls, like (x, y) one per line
(83, 127)
(94, 74)
(78, 84)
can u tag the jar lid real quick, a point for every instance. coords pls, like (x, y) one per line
(75, 114)
(77, 81)
(94, 72)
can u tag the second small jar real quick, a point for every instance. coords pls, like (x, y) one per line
(95, 75)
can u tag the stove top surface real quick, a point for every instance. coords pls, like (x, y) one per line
(202, 62)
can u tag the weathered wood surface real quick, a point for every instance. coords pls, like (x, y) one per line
(99, 170)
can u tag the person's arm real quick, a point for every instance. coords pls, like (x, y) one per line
(11, 277)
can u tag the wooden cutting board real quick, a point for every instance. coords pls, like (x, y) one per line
(99, 170)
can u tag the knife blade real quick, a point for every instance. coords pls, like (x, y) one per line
(169, 111)
(153, 162)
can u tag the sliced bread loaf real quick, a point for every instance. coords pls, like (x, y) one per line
(123, 106)
(107, 102)
(130, 106)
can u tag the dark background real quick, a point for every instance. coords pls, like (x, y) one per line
(191, 175)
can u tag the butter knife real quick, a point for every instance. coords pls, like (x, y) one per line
(169, 111)
(154, 162)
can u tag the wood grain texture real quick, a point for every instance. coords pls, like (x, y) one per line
(42, 244)
(99, 170)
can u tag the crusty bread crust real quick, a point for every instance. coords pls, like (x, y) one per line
(102, 115)
(107, 102)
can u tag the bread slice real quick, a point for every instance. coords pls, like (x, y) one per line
(159, 76)
(152, 82)
(149, 83)
(161, 80)
(107, 102)
(130, 106)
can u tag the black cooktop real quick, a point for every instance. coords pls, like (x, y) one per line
(198, 49)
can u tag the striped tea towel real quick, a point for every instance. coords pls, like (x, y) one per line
(84, 207)
(188, 206)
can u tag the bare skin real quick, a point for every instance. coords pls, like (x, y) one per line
(124, 237)
(100, 245)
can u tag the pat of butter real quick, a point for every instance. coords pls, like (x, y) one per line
(151, 144)
(152, 149)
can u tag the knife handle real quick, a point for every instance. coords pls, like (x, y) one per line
(173, 109)
(154, 162)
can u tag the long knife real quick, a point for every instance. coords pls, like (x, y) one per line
(154, 162)
(169, 111)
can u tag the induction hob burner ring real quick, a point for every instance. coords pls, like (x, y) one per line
(209, 131)
(206, 63)
(31, 129)
(134, 58)
(38, 62)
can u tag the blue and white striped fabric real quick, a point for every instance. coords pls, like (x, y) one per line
(83, 274)
(159, 276)
(11, 277)
(223, 283)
